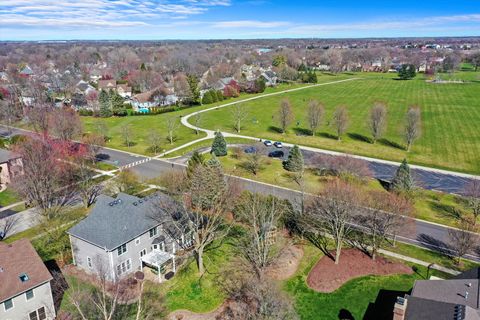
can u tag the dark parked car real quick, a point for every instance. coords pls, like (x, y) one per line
(250, 150)
(276, 154)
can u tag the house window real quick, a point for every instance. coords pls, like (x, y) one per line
(33, 315)
(122, 249)
(143, 252)
(29, 294)
(153, 232)
(38, 314)
(8, 304)
(137, 241)
(124, 267)
(89, 262)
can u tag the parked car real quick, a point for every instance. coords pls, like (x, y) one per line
(251, 149)
(268, 143)
(276, 154)
(278, 144)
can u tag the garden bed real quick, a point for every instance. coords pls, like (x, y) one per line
(325, 276)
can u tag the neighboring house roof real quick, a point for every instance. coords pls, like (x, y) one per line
(26, 70)
(6, 156)
(17, 259)
(107, 84)
(115, 221)
(124, 87)
(445, 299)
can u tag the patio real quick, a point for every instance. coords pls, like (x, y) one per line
(161, 264)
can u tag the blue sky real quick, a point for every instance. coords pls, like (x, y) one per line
(219, 19)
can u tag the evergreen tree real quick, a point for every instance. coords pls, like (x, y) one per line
(219, 145)
(220, 96)
(403, 181)
(194, 90)
(294, 163)
(104, 102)
(213, 94)
(260, 85)
(118, 107)
(197, 159)
(207, 98)
(213, 162)
(406, 72)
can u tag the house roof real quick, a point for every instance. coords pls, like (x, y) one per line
(425, 309)
(449, 291)
(6, 156)
(107, 84)
(115, 221)
(17, 259)
(124, 87)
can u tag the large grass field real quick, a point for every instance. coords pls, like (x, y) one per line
(450, 120)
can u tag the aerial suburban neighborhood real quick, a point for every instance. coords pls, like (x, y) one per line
(250, 160)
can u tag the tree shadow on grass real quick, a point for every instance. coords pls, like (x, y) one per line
(59, 283)
(344, 314)
(391, 144)
(275, 129)
(382, 308)
(328, 135)
(445, 210)
(359, 137)
(302, 132)
(130, 144)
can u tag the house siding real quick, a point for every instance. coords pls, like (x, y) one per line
(22, 307)
(82, 249)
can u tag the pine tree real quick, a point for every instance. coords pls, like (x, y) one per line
(213, 162)
(213, 94)
(207, 98)
(219, 145)
(220, 96)
(194, 90)
(197, 159)
(104, 102)
(403, 181)
(294, 163)
(118, 106)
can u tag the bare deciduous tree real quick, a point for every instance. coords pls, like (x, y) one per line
(253, 162)
(154, 141)
(412, 126)
(172, 126)
(127, 135)
(383, 216)
(472, 193)
(239, 114)
(261, 215)
(315, 114)
(333, 211)
(197, 119)
(463, 239)
(285, 115)
(65, 124)
(340, 121)
(378, 120)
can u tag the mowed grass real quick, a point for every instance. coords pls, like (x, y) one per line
(141, 127)
(450, 120)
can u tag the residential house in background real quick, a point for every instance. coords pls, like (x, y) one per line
(26, 71)
(270, 78)
(158, 97)
(456, 298)
(25, 290)
(122, 89)
(119, 237)
(11, 166)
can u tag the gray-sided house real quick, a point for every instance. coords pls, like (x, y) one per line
(453, 299)
(120, 236)
(25, 291)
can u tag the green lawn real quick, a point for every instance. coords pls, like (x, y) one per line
(8, 197)
(358, 296)
(450, 118)
(428, 205)
(141, 126)
(203, 144)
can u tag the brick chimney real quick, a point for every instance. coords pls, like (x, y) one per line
(400, 308)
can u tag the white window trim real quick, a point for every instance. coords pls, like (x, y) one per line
(137, 241)
(89, 262)
(144, 249)
(5, 308)
(154, 233)
(126, 250)
(33, 297)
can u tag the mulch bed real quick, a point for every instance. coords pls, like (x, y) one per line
(326, 276)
